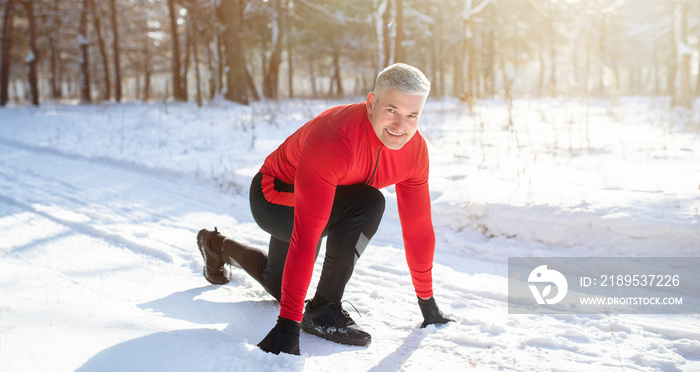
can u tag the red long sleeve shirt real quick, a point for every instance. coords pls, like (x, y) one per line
(339, 147)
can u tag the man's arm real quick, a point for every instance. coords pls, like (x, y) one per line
(419, 237)
(320, 166)
(418, 234)
(419, 242)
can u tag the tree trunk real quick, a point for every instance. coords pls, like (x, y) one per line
(438, 80)
(458, 76)
(194, 37)
(145, 56)
(552, 55)
(103, 52)
(389, 33)
(671, 69)
(237, 76)
(53, 26)
(220, 63)
(115, 53)
(84, 42)
(542, 66)
(697, 83)
(337, 79)
(312, 76)
(379, 29)
(576, 68)
(32, 56)
(213, 56)
(601, 49)
(587, 79)
(175, 42)
(186, 59)
(252, 91)
(211, 68)
(6, 30)
(398, 41)
(491, 55)
(657, 70)
(681, 92)
(271, 73)
(290, 46)
(54, 84)
(470, 56)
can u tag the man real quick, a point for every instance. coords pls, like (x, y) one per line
(323, 181)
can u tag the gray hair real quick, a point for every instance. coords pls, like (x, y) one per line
(402, 78)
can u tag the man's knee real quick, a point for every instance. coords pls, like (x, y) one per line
(374, 203)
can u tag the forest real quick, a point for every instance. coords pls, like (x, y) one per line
(91, 51)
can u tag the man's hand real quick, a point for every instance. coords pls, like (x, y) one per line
(431, 313)
(284, 337)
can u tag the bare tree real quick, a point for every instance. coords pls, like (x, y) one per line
(389, 32)
(237, 78)
(681, 93)
(178, 94)
(399, 33)
(336, 79)
(145, 55)
(53, 26)
(184, 73)
(697, 83)
(194, 37)
(271, 77)
(106, 93)
(84, 43)
(380, 10)
(436, 54)
(32, 55)
(289, 43)
(115, 52)
(6, 30)
(469, 49)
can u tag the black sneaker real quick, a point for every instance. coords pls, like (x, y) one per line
(214, 269)
(333, 323)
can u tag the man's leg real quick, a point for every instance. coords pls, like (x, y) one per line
(357, 211)
(278, 221)
(258, 263)
(266, 268)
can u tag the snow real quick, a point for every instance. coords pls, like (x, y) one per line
(100, 206)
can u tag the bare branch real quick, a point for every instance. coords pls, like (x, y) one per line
(538, 8)
(468, 13)
(613, 7)
(337, 16)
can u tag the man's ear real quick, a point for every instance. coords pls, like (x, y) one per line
(371, 100)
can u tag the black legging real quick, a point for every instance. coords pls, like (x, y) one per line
(355, 216)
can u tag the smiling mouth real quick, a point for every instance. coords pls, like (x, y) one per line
(395, 134)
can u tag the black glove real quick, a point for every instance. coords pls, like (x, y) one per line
(284, 337)
(431, 313)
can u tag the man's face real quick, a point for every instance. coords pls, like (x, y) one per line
(394, 117)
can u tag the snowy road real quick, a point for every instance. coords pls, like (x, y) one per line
(99, 271)
(87, 242)
(108, 258)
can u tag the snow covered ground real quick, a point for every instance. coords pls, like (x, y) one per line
(100, 206)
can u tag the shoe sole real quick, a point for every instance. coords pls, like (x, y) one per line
(308, 328)
(200, 237)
